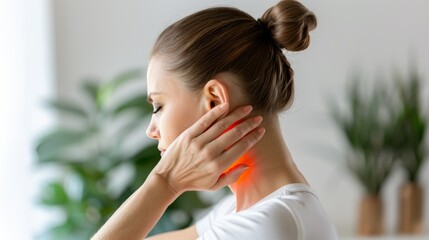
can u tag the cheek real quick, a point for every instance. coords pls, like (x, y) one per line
(174, 122)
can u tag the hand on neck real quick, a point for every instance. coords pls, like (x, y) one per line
(270, 167)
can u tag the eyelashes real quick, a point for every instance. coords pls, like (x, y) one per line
(157, 110)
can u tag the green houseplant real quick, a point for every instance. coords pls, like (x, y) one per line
(406, 140)
(89, 154)
(363, 128)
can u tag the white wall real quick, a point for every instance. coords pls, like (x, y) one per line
(25, 79)
(102, 38)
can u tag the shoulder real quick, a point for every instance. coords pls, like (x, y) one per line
(293, 212)
(270, 220)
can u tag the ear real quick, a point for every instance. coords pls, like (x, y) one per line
(214, 93)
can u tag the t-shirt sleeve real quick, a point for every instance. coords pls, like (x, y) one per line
(271, 221)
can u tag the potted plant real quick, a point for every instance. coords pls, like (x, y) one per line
(363, 128)
(89, 153)
(406, 140)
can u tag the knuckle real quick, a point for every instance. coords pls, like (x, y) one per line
(223, 125)
(256, 136)
(250, 141)
(203, 124)
(197, 146)
(207, 153)
(210, 167)
(215, 166)
(236, 116)
(239, 132)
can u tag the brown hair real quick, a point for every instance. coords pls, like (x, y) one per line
(223, 39)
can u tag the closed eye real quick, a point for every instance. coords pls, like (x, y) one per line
(159, 108)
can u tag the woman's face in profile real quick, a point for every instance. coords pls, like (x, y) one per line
(175, 107)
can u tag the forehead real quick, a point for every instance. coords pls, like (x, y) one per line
(158, 79)
(154, 73)
(161, 80)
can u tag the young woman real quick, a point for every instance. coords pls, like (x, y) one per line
(203, 70)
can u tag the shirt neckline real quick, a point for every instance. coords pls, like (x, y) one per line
(287, 189)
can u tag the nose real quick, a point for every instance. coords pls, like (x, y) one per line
(152, 131)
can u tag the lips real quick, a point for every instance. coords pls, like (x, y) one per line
(162, 150)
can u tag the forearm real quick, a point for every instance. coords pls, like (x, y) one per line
(140, 212)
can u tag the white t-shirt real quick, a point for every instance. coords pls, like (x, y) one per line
(292, 212)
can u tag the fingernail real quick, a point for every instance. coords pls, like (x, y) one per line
(247, 109)
(261, 130)
(223, 106)
(243, 167)
(257, 119)
(241, 170)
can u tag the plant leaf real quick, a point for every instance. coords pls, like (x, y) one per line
(138, 103)
(53, 143)
(107, 89)
(67, 107)
(54, 194)
(91, 88)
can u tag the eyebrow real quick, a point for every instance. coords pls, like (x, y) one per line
(149, 98)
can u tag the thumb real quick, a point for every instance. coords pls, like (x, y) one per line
(230, 177)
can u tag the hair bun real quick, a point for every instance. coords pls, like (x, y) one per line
(290, 23)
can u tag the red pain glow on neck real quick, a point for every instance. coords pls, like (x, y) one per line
(245, 159)
(247, 177)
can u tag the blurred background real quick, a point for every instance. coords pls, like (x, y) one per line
(69, 67)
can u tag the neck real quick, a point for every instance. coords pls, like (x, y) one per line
(271, 167)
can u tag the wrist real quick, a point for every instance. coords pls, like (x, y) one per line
(161, 185)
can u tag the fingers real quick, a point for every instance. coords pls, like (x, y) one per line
(223, 124)
(230, 177)
(229, 138)
(204, 122)
(240, 147)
